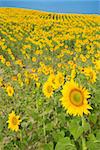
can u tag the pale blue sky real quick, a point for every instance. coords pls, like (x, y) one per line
(49, 0)
(61, 6)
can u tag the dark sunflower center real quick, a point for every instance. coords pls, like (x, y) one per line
(14, 120)
(53, 80)
(76, 97)
(10, 91)
(49, 89)
(91, 75)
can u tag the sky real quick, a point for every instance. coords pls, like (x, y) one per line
(49, 0)
(59, 6)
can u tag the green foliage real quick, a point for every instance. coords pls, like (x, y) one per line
(45, 124)
(93, 142)
(75, 128)
(65, 144)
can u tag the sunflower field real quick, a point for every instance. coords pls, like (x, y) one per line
(49, 80)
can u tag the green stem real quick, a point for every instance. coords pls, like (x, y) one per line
(84, 147)
(20, 136)
(83, 144)
(55, 108)
(37, 110)
(44, 129)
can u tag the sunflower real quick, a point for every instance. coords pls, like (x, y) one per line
(59, 80)
(1, 81)
(48, 89)
(33, 59)
(74, 99)
(10, 91)
(89, 72)
(8, 64)
(73, 74)
(13, 121)
(97, 64)
(52, 79)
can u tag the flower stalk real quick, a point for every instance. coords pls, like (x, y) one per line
(84, 147)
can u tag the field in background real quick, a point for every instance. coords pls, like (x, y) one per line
(35, 45)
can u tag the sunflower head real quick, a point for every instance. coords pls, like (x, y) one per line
(73, 74)
(74, 99)
(89, 72)
(52, 79)
(10, 91)
(48, 89)
(59, 80)
(13, 122)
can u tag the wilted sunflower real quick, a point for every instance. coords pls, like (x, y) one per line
(13, 121)
(48, 89)
(74, 99)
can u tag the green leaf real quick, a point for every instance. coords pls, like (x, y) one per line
(65, 144)
(1, 137)
(1, 124)
(49, 126)
(98, 135)
(61, 117)
(93, 118)
(58, 135)
(97, 96)
(86, 125)
(91, 137)
(48, 146)
(75, 129)
(35, 115)
(93, 143)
